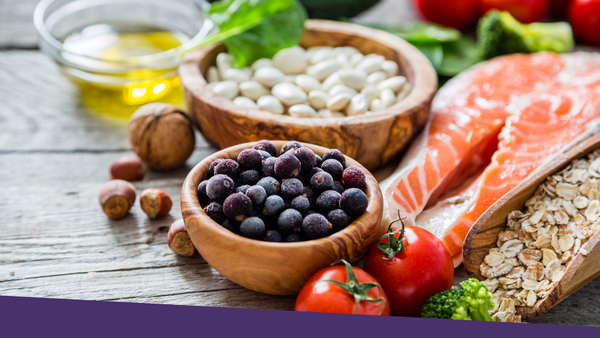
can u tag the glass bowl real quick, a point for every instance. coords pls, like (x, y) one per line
(73, 32)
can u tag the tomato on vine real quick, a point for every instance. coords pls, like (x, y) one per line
(411, 264)
(339, 289)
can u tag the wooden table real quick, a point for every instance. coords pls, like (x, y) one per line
(54, 156)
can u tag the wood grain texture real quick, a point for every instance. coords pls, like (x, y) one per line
(484, 233)
(372, 139)
(275, 268)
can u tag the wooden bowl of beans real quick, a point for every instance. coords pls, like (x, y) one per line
(372, 131)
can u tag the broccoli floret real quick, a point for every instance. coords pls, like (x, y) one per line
(471, 301)
(499, 33)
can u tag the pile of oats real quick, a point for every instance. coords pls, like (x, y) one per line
(542, 240)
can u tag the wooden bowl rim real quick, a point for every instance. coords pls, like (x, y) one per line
(559, 163)
(423, 88)
(193, 179)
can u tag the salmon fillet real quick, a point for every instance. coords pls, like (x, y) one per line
(490, 127)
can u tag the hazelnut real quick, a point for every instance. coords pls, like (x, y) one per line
(116, 198)
(128, 169)
(179, 241)
(161, 135)
(155, 203)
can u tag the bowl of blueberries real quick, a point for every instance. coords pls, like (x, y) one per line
(267, 215)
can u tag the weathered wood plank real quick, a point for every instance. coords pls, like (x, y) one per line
(16, 24)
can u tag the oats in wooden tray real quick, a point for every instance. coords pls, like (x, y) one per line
(540, 241)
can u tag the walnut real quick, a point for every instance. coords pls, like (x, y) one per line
(161, 135)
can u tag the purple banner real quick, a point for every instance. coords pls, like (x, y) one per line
(37, 317)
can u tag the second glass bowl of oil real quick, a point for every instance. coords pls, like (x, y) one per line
(121, 53)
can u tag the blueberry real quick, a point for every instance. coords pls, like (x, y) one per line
(337, 186)
(291, 188)
(249, 177)
(231, 225)
(219, 187)
(336, 155)
(334, 168)
(287, 166)
(314, 170)
(315, 226)
(214, 210)
(249, 159)
(319, 161)
(242, 188)
(237, 206)
(273, 236)
(309, 194)
(307, 158)
(292, 238)
(328, 201)
(266, 146)
(211, 168)
(290, 145)
(264, 155)
(253, 227)
(202, 196)
(274, 205)
(257, 195)
(353, 177)
(289, 221)
(229, 168)
(268, 167)
(271, 185)
(339, 219)
(321, 181)
(354, 202)
(301, 204)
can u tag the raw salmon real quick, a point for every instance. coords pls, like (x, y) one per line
(491, 127)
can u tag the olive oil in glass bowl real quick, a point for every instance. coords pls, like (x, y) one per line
(121, 53)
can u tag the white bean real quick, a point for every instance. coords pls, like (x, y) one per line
(390, 68)
(358, 105)
(269, 76)
(318, 99)
(264, 62)
(325, 113)
(322, 55)
(331, 81)
(370, 92)
(376, 77)
(339, 102)
(394, 83)
(290, 78)
(323, 69)
(253, 90)
(224, 62)
(290, 60)
(237, 75)
(387, 97)
(370, 64)
(346, 50)
(404, 92)
(228, 89)
(271, 104)
(376, 105)
(355, 59)
(288, 93)
(338, 89)
(245, 102)
(353, 78)
(212, 74)
(307, 83)
(302, 110)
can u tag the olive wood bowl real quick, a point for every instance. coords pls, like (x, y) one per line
(274, 268)
(484, 233)
(372, 139)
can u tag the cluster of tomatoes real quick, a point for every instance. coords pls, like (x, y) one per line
(400, 274)
(584, 15)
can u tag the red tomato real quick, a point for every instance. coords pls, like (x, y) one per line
(584, 16)
(452, 13)
(414, 275)
(318, 295)
(526, 11)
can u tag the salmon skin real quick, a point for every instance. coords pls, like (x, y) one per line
(490, 127)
